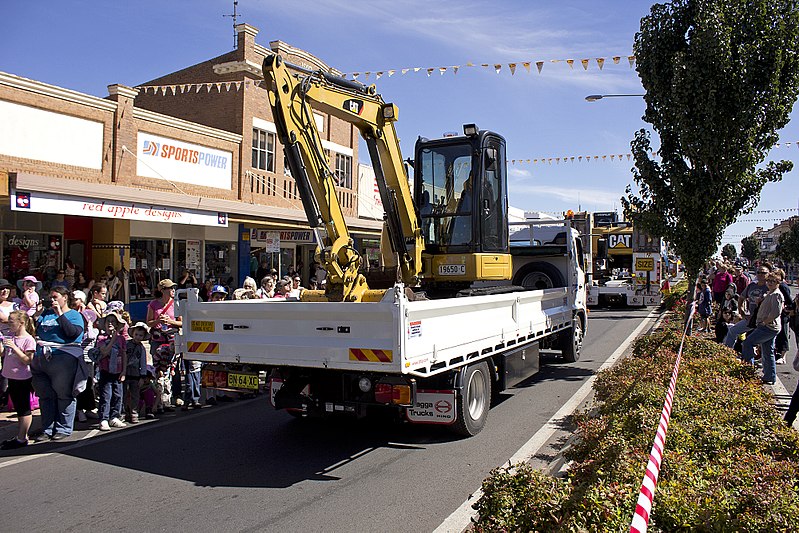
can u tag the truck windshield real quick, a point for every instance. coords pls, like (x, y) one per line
(446, 204)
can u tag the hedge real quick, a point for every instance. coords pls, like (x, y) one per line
(730, 463)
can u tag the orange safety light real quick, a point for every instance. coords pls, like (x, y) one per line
(402, 395)
(569, 214)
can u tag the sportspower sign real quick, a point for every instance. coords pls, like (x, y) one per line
(164, 158)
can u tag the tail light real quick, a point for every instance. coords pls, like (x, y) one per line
(396, 394)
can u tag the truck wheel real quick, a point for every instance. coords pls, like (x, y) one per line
(474, 401)
(537, 276)
(573, 341)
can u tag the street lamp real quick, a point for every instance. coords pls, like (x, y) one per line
(595, 97)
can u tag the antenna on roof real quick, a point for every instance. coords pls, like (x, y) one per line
(235, 17)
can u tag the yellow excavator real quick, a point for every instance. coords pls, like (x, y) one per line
(449, 233)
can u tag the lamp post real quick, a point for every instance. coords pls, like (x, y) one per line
(595, 97)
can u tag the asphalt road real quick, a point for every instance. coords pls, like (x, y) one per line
(245, 467)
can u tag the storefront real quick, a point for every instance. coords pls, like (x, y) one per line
(283, 250)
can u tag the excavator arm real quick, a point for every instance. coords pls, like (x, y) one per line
(292, 90)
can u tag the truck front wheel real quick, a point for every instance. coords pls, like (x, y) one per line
(572, 341)
(475, 400)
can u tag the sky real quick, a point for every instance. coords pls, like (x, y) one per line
(86, 45)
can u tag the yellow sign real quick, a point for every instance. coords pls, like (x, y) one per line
(645, 264)
(206, 326)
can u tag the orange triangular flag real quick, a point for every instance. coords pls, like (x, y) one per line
(527, 66)
(497, 67)
(631, 59)
(585, 63)
(601, 62)
(570, 62)
(512, 67)
(539, 65)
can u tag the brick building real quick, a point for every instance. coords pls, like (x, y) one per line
(157, 179)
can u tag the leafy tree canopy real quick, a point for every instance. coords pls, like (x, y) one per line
(789, 244)
(721, 77)
(750, 248)
(729, 252)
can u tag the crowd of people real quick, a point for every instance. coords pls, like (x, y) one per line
(754, 317)
(79, 356)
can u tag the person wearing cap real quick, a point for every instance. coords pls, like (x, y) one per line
(218, 293)
(60, 332)
(162, 323)
(6, 306)
(136, 369)
(112, 363)
(29, 288)
(283, 289)
(60, 280)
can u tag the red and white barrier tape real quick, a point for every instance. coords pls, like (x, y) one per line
(646, 494)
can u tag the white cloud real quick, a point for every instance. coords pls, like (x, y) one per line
(571, 195)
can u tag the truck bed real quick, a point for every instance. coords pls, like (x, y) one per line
(395, 335)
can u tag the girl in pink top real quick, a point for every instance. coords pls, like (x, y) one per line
(19, 350)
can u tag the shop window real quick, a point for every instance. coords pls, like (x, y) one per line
(31, 254)
(263, 150)
(219, 261)
(150, 262)
(344, 171)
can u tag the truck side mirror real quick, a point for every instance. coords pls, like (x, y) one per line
(602, 248)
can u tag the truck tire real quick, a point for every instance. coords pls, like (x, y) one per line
(572, 341)
(475, 400)
(538, 275)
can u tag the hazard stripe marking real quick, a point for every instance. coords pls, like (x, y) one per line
(372, 356)
(204, 347)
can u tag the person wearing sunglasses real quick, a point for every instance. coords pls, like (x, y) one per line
(747, 306)
(768, 325)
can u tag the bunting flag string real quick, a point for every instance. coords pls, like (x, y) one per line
(183, 88)
(574, 159)
(498, 67)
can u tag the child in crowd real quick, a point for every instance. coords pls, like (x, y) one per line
(704, 306)
(136, 369)
(164, 361)
(29, 288)
(725, 319)
(147, 393)
(19, 349)
(112, 348)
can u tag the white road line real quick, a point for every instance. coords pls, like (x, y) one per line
(84, 441)
(461, 518)
(781, 392)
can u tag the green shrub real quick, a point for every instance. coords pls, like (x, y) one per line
(730, 463)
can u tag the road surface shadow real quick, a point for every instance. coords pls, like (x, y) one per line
(250, 445)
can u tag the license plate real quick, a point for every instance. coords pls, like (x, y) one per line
(205, 326)
(242, 381)
(451, 270)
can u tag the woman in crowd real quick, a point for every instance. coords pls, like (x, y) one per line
(768, 326)
(97, 298)
(267, 289)
(60, 332)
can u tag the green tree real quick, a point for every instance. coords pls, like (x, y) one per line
(729, 252)
(721, 77)
(749, 248)
(788, 248)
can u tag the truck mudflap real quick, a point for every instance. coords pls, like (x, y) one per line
(433, 407)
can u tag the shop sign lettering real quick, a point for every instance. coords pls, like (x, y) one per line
(23, 241)
(50, 203)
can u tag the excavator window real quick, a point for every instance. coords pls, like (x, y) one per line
(447, 199)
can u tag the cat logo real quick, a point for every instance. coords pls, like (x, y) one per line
(353, 106)
(619, 241)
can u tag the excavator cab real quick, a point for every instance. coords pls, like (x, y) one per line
(460, 189)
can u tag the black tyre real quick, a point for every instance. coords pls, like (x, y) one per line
(475, 400)
(537, 276)
(572, 341)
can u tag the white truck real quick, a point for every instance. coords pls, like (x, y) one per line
(467, 317)
(428, 361)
